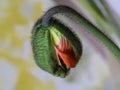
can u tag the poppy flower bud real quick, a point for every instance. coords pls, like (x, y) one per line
(56, 48)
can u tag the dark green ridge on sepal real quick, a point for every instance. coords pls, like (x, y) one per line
(70, 35)
(43, 48)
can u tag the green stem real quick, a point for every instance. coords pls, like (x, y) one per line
(85, 23)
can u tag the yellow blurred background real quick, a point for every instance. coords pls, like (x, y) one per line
(17, 65)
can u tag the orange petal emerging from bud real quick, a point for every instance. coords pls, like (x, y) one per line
(66, 53)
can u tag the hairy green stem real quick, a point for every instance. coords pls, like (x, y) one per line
(85, 23)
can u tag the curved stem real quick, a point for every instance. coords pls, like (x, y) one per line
(85, 23)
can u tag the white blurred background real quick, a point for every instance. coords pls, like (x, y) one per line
(97, 70)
